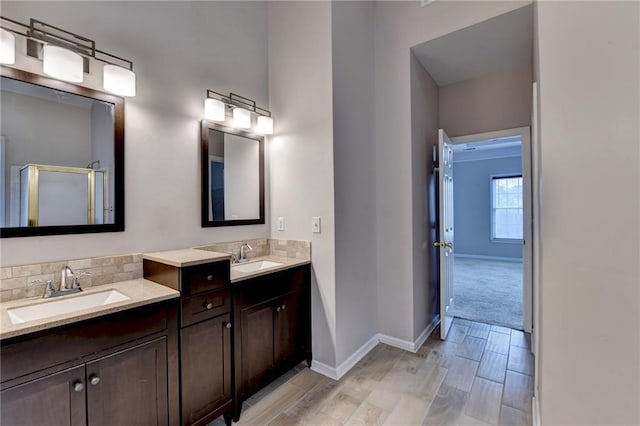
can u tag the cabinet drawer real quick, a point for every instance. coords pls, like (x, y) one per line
(263, 288)
(201, 278)
(203, 306)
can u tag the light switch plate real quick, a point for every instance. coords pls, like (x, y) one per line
(315, 224)
(281, 224)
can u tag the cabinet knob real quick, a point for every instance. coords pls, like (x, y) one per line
(227, 325)
(78, 387)
(94, 380)
(284, 307)
(278, 309)
(209, 277)
(207, 305)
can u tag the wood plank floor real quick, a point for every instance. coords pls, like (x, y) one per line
(481, 375)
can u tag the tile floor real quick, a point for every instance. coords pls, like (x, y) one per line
(481, 375)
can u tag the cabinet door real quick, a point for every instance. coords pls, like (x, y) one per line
(206, 368)
(288, 328)
(57, 399)
(257, 343)
(129, 387)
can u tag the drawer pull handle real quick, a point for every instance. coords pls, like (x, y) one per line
(227, 325)
(94, 380)
(78, 387)
(209, 277)
(207, 305)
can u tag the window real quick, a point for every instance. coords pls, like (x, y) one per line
(506, 207)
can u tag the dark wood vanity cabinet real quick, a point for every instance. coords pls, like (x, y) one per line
(205, 337)
(117, 369)
(272, 318)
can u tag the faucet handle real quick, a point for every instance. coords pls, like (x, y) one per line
(48, 289)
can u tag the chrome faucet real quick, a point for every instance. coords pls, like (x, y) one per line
(66, 287)
(243, 252)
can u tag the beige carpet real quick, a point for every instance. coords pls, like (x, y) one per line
(488, 291)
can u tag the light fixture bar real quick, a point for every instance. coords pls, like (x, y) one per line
(235, 100)
(42, 33)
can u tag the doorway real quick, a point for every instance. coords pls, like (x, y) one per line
(492, 219)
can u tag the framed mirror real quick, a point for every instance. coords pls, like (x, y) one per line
(232, 176)
(61, 157)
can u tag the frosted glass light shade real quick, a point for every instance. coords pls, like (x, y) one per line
(214, 110)
(62, 64)
(7, 47)
(118, 80)
(265, 125)
(241, 118)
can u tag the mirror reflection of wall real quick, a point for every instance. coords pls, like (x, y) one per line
(234, 181)
(70, 138)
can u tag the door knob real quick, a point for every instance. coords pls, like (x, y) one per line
(450, 245)
(78, 387)
(94, 380)
(438, 244)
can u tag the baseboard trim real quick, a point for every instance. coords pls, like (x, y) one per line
(336, 373)
(535, 408)
(477, 256)
(324, 369)
(360, 353)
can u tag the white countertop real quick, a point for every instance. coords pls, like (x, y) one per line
(185, 257)
(140, 292)
(287, 262)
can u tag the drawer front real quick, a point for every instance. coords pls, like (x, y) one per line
(201, 278)
(203, 306)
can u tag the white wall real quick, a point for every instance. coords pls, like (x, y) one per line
(354, 174)
(496, 101)
(179, 49)
(301, 149)
(424, 136)
(589, 68)
(398, 27)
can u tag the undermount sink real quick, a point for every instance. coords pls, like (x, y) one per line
(65, 305)
(255, 266)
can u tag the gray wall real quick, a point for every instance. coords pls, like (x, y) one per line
(472, 207)
(424, 132)
(179, 49)
(496, 101)
(300, 90)
(354, 168)
(589, 64)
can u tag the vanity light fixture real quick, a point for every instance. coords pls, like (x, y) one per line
(65, 55)
(216, 106)
(7, 47)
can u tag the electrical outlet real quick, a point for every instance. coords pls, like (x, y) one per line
(315, 224)
(281, 224)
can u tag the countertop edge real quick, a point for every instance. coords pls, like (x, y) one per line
(37, 326)
(213, 257)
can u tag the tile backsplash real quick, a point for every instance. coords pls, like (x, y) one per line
(296, 249)
(18, 282)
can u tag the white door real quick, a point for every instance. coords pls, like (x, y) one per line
(445, 166)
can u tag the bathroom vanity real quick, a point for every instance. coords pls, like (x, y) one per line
(117, 368)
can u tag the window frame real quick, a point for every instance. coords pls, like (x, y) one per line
(493, 238)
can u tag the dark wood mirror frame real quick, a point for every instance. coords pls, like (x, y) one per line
(204, 172)
(118, 156)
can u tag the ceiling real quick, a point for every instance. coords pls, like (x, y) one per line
(503, 42)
